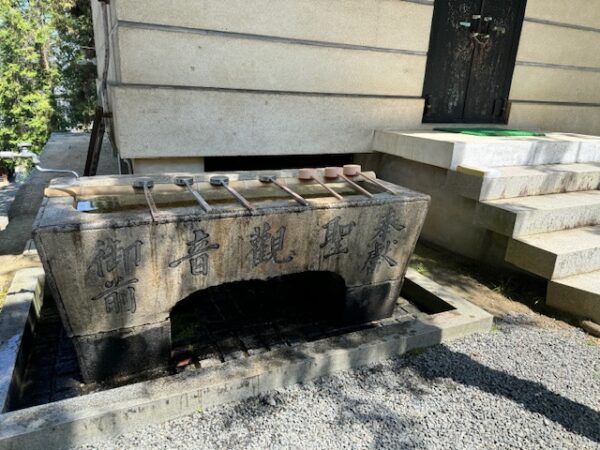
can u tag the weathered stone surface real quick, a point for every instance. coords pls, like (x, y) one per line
(176, 58)
(371, 302)
(118, 270)
(578, 295)
(558, 254)
(540, 214)
(524, 181)
(448, 150)
(107, 355)
(571, 118)
(575, 12)
(205, 122)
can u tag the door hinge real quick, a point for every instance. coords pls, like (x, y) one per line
(499, 108)
(427, 107)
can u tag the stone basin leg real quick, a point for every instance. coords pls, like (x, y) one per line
(371, 302)
(124, 352)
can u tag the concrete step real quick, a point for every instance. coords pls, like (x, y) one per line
(522, 181)
(578, 295)
(449, 150)
(558, 254)
(522, 216)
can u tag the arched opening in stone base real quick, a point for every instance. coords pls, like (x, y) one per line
(243, 318)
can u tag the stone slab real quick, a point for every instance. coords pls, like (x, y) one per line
(543, 43)
(21, 307)
(448, 150)
(105, 414)
(540, 214)
(575, 12)
(578, 295)
(523, 181)
(567, 118)
(161, 165)
(161, 122)
(175, 58)
(558, 254)
(555, 84)
(373, 23)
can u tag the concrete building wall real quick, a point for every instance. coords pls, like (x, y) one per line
(556, 83)
(197, 78)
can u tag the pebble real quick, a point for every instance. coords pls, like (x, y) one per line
(519, 387)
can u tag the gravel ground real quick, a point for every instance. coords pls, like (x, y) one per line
(519, 386)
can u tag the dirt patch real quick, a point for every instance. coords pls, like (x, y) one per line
(9, 264)
(509, 296)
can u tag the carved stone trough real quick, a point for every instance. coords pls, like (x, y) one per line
(120, 252)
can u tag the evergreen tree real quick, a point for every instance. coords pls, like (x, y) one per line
(47, 73)
(26, 75)
(75, 95)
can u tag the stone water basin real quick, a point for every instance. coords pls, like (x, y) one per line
(119, 257)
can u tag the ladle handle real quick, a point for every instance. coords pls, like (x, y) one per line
(203, 203)
(297, 197)
(331, 191)
(356, 186)
(238, 196)
(376, 183)
(150, 200)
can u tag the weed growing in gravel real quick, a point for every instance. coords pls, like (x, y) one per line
(420, 268)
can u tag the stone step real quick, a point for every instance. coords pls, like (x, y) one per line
(558, 254)
(522, 181)
(449, 150)
(522, 216)
(578, 295)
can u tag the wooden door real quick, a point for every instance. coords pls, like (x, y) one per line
(471, 58)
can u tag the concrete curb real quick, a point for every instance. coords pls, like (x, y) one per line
(7, 197)
(104, 414)
(20, 310)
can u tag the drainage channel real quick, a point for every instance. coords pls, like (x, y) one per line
(206, 333)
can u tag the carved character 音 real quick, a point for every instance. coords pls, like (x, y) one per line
(197, 253)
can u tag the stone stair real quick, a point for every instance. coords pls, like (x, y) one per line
(551, 214)
(579, 295)
(523, 216)
(533, 202)
(557, 254)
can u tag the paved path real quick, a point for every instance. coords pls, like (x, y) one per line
(65, 151)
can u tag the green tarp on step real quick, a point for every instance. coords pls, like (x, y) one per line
(490, 132)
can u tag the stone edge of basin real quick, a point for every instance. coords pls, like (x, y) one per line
(71, 218)
(20, 310)
(104, 414)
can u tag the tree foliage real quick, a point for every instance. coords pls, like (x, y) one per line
(74, 52)
(46, 73)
